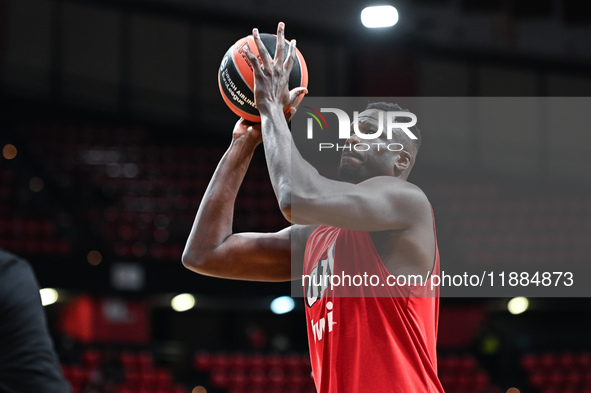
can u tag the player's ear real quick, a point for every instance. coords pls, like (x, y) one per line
(403, 162)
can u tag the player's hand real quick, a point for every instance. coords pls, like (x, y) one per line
(246, 130)
(252, 131)
(272, 77)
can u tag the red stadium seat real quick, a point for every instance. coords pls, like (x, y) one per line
(219, 379)
(163, 379)
(145, 362)
(548, 362)
(91, 358)
(583, 362)
(202, 361)
(529, 362)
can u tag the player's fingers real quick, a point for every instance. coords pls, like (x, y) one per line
(298, 91)
(254, 127)
(289, 113)
(289, 51)
(256, 67)
(264, 55)
(289, 62)
(297, 95)
(280, 48)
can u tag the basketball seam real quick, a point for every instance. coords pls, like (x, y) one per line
(235, 69)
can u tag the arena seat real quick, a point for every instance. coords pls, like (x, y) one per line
(558, 372)
(140, 373)
(248, 373)
(461, 374)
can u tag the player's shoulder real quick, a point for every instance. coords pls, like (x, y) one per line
(7, 258)
(400, 189)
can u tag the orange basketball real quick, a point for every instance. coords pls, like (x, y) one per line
(236, 78)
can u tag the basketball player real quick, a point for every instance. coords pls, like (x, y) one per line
(373, 221)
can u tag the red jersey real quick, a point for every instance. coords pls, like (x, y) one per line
(383, 343)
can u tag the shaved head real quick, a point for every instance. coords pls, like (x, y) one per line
(391, 107)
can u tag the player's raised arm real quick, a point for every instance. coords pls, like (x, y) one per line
(212, 249)
(368, 203)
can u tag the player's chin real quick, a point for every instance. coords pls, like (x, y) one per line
(349, 172)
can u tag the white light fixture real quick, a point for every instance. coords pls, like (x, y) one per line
(48, 296)
(282, 305)
(518, 305)
(183, 302)
(379, 16)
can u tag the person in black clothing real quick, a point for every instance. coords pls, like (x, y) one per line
(28, 362)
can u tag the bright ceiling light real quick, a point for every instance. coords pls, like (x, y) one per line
(518, 305)
(183, 302)
(379, 16)
(282, 305)
(48, 296)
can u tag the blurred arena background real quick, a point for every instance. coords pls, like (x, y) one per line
(111, 126)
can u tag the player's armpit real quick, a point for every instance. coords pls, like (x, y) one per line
(253, 256)
(377, 204)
